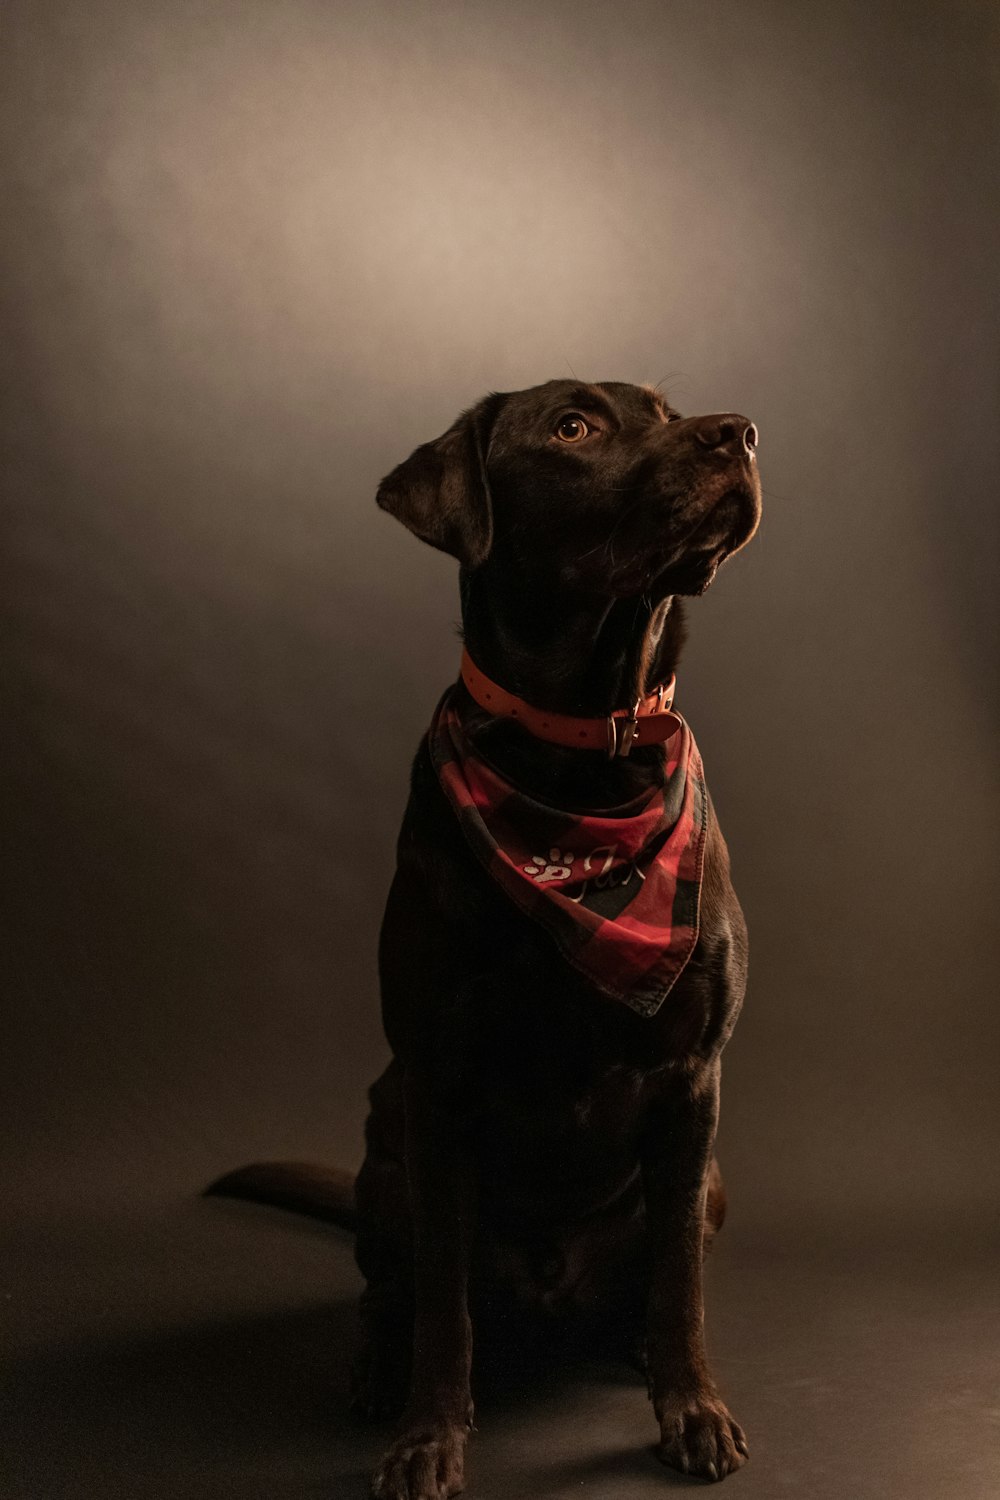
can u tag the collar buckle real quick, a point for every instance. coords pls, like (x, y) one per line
(622, 732)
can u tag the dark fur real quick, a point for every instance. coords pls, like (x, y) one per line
(532, 1142)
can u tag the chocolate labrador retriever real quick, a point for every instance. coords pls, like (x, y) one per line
(563, 956)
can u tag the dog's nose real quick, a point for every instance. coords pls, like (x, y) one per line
(729, 433)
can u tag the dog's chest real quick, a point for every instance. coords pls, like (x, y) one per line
(553, 1088)
(557, 1157)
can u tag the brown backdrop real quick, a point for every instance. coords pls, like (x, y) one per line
(255, 253)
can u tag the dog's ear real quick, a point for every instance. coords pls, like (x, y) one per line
(441, 492)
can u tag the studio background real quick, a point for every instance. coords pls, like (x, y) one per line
(255, 253)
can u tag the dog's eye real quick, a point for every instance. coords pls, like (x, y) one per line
(572, 429)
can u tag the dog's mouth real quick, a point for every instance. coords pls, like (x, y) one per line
(734, 512)
(725, 528)
(675, 542)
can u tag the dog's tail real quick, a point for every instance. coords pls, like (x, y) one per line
(325, 1193)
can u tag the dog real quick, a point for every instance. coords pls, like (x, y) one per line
(563, 956)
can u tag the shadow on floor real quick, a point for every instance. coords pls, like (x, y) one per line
(264, 1393)
(258, 1406)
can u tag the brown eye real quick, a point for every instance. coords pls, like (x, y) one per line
(572, 429)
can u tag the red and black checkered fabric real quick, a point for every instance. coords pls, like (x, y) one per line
(619, 890)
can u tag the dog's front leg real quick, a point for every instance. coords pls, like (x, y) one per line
(427, 1461)
(697, 1434)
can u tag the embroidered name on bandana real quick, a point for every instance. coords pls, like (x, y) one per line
(620, 892)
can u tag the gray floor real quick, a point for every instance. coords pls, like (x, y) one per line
(193, 1349)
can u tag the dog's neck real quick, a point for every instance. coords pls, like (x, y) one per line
(564, 650)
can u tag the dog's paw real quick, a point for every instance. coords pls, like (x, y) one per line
(427, 1463)
(699, 1437)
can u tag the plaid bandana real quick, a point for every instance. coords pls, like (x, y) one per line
(618, 890)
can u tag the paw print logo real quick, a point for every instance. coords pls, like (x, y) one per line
(558, 866)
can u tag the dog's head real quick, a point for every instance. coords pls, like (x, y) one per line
(605, 487)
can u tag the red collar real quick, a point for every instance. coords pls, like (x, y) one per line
(648, 722)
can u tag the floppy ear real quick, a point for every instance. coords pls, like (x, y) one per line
(441, 491)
